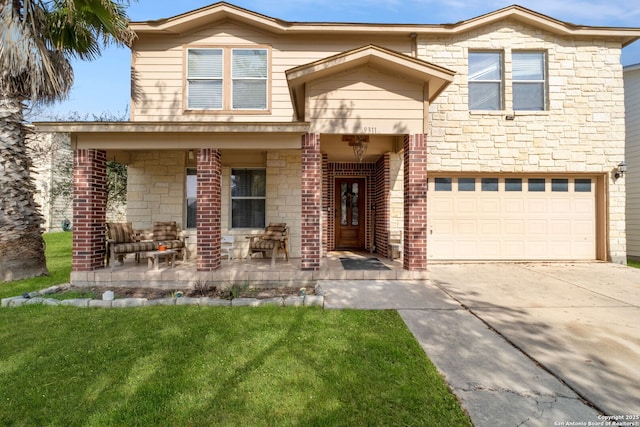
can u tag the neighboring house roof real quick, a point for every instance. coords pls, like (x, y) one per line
(438, 78)
(633, 67)
(221, 11)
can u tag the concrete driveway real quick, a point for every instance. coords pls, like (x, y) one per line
(580, 321)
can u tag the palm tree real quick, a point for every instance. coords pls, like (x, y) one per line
(38, 38)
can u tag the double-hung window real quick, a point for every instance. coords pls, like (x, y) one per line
(248, 198)
(485, 81)
(204, 79)
(227, 79)
(529, 81)
(249, 76)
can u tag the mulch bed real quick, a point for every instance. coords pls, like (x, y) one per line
(208, 291)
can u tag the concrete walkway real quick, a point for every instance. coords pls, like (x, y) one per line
(579, 321)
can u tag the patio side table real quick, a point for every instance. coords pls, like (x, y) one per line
(154, 257)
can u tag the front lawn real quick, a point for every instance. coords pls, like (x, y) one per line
(633, 263)
(58, 255)
(185, 365)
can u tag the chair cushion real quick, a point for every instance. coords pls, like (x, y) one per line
(125, 248)
(275, 231)
(263, 244)
(120, 232)
(173, 244)
(165, 231)
(272, 235)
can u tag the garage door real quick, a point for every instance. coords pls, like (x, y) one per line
(511, 218)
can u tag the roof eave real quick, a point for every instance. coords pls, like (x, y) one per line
(219, 11)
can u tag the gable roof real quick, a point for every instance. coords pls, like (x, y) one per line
(438, 78)
(220, 11)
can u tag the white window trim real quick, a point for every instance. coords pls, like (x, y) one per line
(503, 84)
(544, 81)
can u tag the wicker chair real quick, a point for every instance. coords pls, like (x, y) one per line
(274, 239)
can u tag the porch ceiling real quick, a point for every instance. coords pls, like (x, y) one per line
(436, 78)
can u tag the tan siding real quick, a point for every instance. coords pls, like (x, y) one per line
(333, 101)
(632, 106)
(159, 66)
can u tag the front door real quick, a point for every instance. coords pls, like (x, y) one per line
(350, 209)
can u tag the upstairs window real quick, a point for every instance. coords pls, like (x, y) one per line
(485, 81)
(529, 81)
(249, 74)
(227, 79)
(204, 79)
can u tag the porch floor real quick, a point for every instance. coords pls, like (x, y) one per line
(256, 271)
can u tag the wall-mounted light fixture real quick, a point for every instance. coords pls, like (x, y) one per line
(621, 170)
(192, 155)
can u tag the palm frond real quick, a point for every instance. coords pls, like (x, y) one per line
(28, 68)
(38, 38)
(82, 27)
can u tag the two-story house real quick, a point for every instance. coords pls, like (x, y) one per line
(494, 138)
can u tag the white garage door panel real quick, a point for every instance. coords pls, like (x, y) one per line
(512, 227)
(468, 227)
(514, 207)
(517, 225)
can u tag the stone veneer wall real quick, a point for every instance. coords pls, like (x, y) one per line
(156, 192)
(284, 170)
(582, 131)
(396, 197)
(156, 187)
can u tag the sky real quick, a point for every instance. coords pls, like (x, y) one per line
(101, 87)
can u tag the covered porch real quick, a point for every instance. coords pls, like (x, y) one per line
(309, 178)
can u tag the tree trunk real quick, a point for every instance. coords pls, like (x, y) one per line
(21, 242)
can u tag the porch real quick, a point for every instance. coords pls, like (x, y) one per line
(255, 271)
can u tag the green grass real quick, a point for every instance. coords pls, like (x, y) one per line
(632, 263)
(194, 366)
(58, 254)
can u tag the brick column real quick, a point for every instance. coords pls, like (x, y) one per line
(311, 233)
(208, 222)
(326, 207)
(415, 202)
(89, 209)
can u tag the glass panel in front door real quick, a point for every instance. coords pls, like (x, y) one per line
(349, 193)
